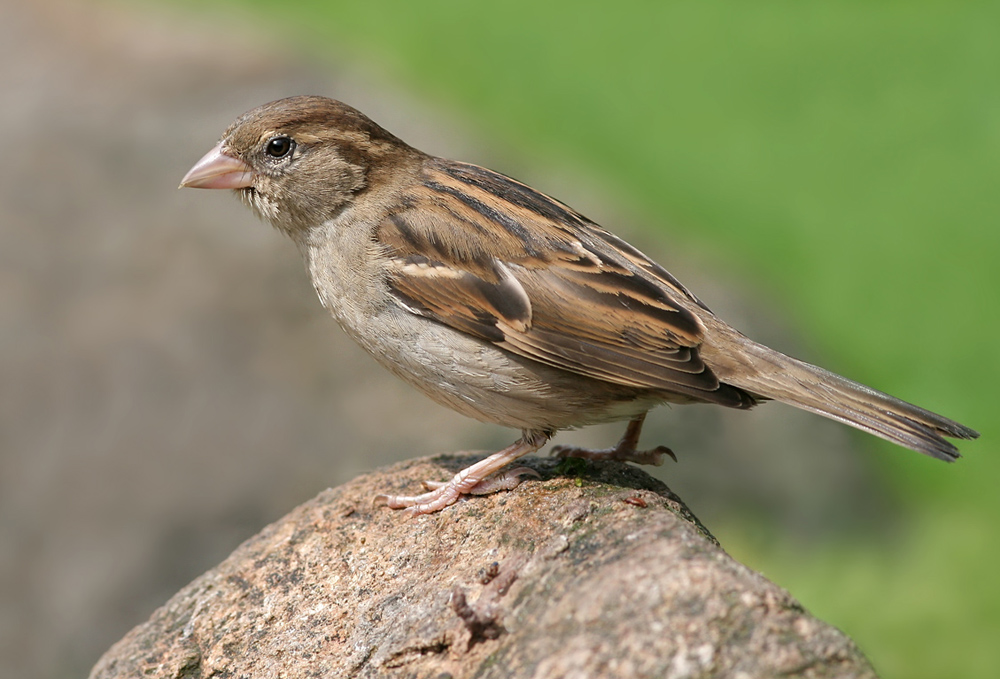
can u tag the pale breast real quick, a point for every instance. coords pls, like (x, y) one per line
(467, 374)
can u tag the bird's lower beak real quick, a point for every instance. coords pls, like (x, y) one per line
(218, 170)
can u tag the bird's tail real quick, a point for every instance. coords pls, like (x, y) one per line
(770, 374)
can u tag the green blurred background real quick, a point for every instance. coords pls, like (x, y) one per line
(845, 155)
(170, 385)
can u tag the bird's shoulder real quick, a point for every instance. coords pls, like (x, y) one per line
(492, 257)
(469, 217)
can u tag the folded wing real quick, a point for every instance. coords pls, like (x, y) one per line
(527, 273)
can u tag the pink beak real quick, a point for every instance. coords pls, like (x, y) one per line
(218, 170)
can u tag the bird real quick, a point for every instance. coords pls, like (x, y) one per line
(505, 304)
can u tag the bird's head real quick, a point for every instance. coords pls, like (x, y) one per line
(298, 162)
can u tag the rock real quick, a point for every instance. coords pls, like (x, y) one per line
(596, 570)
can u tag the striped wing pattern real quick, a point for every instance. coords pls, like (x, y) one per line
(552, 287)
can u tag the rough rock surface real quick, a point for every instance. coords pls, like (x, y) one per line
(594, 571)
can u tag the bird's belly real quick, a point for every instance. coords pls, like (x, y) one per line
(489, 384)
(469, 375)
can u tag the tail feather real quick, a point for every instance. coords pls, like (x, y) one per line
(770, 374)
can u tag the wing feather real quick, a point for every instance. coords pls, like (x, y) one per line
(491, 257)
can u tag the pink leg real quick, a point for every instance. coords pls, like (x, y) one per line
(624, 451)
(477, 479)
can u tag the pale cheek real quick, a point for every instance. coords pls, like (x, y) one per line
(262, 205)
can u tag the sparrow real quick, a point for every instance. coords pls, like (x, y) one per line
(505, 304)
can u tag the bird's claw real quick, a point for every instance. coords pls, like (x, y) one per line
(441, 494)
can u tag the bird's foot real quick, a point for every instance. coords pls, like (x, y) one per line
(444, 493)
(482, 478)
(508, 480)
(625, 451)
(619, 452)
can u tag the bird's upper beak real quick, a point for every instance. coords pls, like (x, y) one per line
(218, 170)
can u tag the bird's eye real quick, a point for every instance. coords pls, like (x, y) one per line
(279, 147)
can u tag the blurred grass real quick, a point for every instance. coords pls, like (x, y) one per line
(846, 154)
